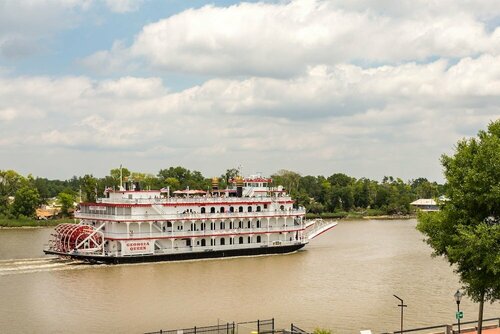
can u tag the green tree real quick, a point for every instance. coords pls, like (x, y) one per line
(88, 184)
(186, 178)
(228, 175)
(467, 229)
(173, 183)
(288, 179)
(311, 185)
(10, 182)
(115, 174)
(66, 200)
(424, 189)
(26, 201)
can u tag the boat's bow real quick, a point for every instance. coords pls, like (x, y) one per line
(317, 227)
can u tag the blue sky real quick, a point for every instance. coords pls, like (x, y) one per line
(361, 87)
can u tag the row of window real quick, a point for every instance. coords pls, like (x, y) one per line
(222, 241)
(213, 226)
(232, 209)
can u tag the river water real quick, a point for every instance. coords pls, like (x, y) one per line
(344, 280)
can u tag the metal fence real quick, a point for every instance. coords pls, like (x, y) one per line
(247, 327)
(448, 329)
(296, 330)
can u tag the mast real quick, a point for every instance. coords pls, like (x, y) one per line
(121, 178)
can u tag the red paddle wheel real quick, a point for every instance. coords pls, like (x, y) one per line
(70, 237)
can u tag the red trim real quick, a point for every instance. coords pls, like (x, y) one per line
(201, 236)
(258, 179)
(223, 203)
(120, 205)
(133, 191)
(182, 204)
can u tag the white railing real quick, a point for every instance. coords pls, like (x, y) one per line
(183, 234)
(188, 200)
(190, 215)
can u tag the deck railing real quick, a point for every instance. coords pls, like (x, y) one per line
(188, 200)
(181, 234)
(153, 216)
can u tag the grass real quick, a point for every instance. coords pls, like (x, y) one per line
(26, 222)
(349, 215)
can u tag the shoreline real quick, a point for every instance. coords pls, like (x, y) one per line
(32, 223)
(24, 227)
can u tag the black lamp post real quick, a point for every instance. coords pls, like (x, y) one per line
(458, 297)
(402, 305)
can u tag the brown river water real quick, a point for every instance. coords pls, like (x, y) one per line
(344, 280)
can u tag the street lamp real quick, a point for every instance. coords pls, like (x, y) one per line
(402, 305)
(458, 297)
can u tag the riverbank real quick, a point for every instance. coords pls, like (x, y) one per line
(356, 215)
(32, 223)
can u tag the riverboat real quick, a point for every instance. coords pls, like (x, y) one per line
(128, 225)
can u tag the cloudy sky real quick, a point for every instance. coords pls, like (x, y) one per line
(368, 88)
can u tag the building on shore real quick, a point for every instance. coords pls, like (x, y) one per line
(426, 204)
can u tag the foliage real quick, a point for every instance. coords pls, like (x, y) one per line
(322, 331)
(184, 178)
(115, 174)
(66, 200)
(26, 201)
(467, 229)
(337, 195)
(225, 178)
(88, 186)
(28, 222)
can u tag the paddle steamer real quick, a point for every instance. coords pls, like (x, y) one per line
(251, 217)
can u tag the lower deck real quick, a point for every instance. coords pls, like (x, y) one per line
(180, 255)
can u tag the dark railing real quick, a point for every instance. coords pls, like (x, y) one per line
(296, 330)
(260, 326)
(447, 328)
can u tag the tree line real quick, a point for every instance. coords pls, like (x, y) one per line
(20, 196)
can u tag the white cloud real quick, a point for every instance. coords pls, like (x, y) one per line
(339, 117)
(26, 26)
(8, 114)
(123, 6)
(284, 39)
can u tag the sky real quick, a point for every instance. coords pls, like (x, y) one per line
(362, 87)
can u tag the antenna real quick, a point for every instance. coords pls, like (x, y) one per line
(121, 178)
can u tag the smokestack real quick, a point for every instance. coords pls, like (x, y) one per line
(215, 185)
(239, 186)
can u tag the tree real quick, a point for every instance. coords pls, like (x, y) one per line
(467, 229)
(229, 175)
(66, 200)
(26, 201)
(288, 179)
(115, 174)
(186, 178)
(88, 184)
(10, 182)
(424, 189)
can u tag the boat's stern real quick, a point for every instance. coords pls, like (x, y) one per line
(75, 239)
